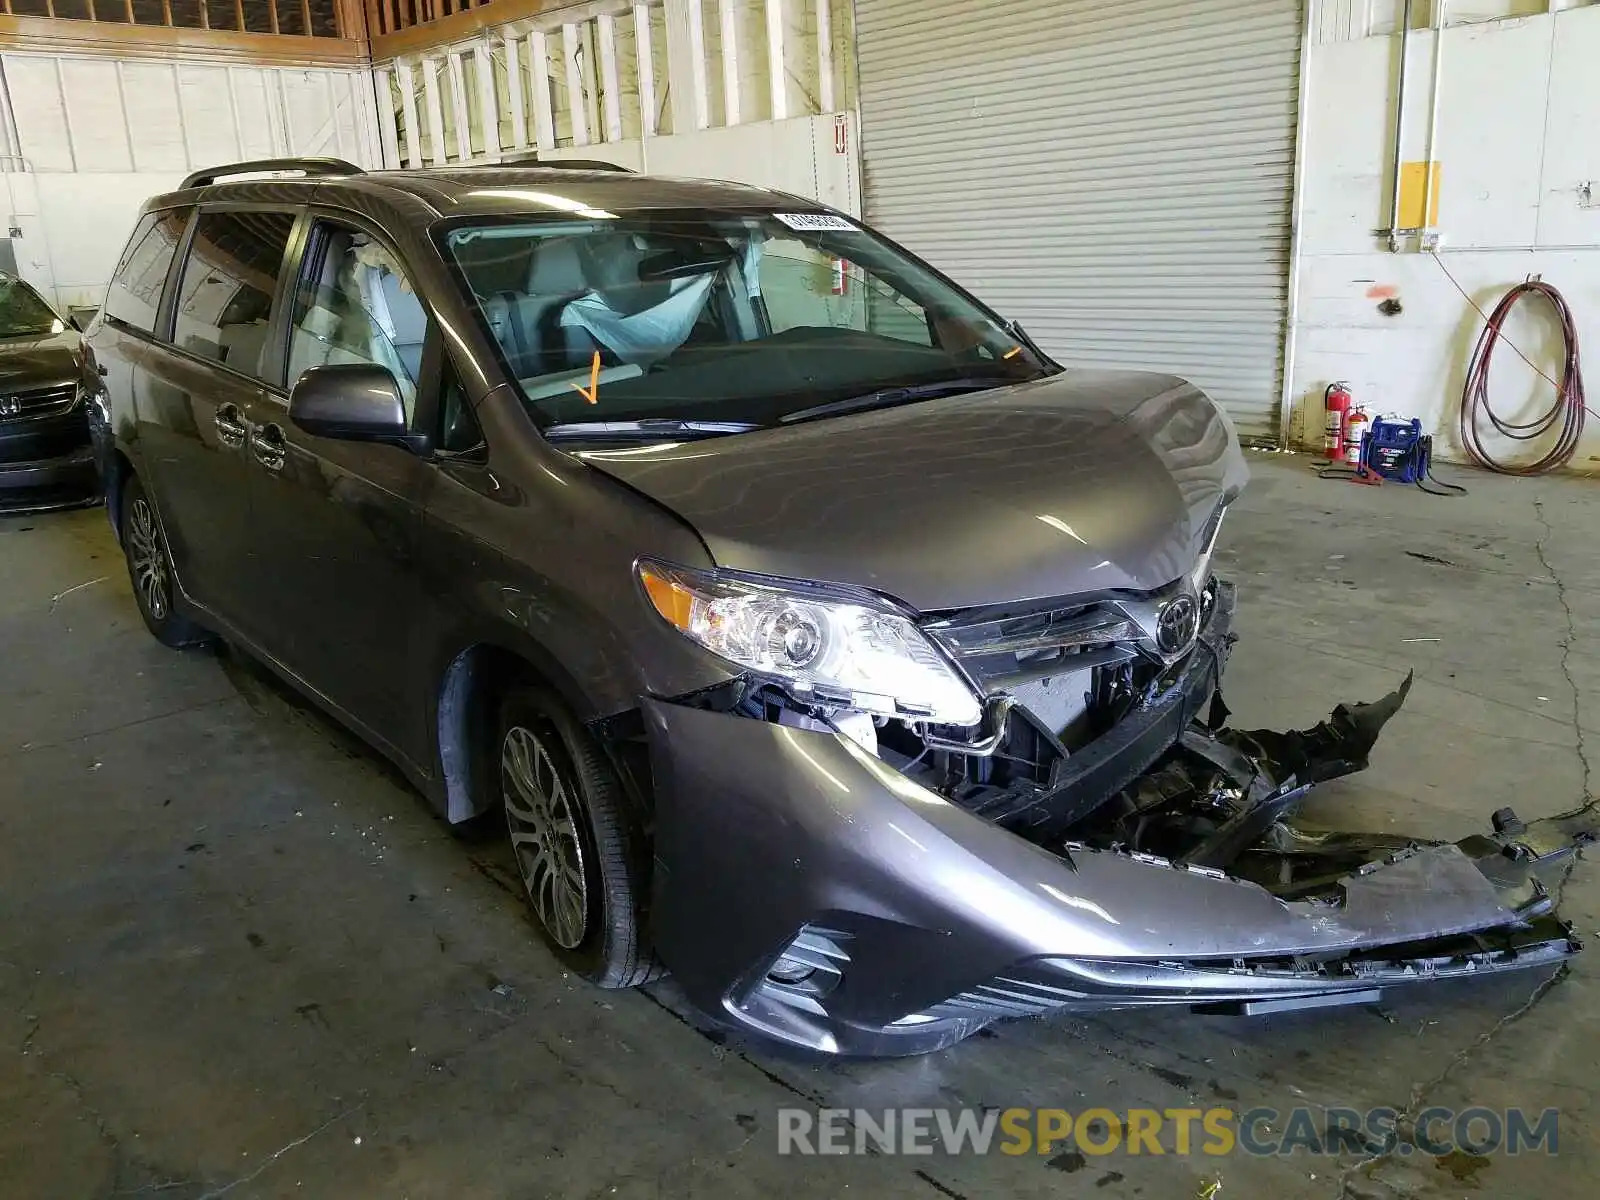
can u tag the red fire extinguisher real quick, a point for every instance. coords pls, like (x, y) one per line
(1355, 428)
(1336, 400)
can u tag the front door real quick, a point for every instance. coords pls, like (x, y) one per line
(194, 398)
(337, 521)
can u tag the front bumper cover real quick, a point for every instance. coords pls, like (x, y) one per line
(926, 921)
(46, 462)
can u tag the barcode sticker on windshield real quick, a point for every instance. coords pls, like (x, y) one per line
(812, 221)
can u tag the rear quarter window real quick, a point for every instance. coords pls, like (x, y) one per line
(134, 296)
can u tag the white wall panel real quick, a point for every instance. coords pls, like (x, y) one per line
(89, 89)
(99, 136)
(1516, 143)
(40, 111)
(85, 221)
(1571, 141)
(253, 102)
(1495, 79)
(208, 126)
(155, 120)
(794, 156)
(310, 116)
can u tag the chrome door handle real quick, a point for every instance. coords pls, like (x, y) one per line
(269, 447)
(230, 426)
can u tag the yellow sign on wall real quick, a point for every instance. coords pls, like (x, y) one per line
(1413, 182)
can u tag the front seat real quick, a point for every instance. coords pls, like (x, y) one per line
(524, 323)
(557, 276)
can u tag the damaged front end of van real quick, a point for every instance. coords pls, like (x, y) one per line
(962, 809)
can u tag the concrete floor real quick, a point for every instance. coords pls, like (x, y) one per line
(237, 957)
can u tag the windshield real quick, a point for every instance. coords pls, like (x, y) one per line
(23, 313)
(722, 318)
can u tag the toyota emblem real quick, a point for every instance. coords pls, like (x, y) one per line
(1178, 623)
(10, 406)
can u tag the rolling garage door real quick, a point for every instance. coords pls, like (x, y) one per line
(1116, 176)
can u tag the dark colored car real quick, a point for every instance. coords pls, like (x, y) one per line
(819, 637)
(45, 460)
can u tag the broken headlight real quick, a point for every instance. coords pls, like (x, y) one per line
(830, 650)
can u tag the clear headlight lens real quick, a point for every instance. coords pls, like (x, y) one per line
(836, 652)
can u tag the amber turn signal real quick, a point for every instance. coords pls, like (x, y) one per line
(672, 600)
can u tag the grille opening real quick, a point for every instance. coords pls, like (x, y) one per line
(37, 402)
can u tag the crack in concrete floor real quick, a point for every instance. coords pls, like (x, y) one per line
(1422, 1092)
(1567, 641)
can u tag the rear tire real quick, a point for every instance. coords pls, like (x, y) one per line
(580, 851)
(144, 545)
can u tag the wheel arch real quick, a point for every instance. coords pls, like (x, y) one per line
(118, 470)
(469, 691)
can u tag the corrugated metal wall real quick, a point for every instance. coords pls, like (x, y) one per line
(1117, 176)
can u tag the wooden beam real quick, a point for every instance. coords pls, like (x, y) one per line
(728, 17)
(388, 135)
(408, 105)
(824, 56)
(645, 64)
(577, 104)
(459, 110)
(610, 84)
(777, 69)
(457, 26)
(697, 66)
(430, 97)
(488, 97)
(517, 94)
(544, 117)
(116, 40)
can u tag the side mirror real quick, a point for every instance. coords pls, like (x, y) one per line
(354, 402)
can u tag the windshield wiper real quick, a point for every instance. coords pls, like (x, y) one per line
(648, 427)
(888, 397)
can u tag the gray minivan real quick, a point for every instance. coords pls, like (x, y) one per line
(820, 639)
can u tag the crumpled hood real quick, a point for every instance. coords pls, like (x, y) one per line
(39, 362)
(1084, 481)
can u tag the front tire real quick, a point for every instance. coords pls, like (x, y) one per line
(155, 590)
(579, 847)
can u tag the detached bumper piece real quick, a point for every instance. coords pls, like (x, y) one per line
(808, 891)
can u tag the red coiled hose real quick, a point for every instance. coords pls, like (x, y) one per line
(1566, 413)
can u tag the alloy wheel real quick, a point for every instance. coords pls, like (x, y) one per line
(148, 558)
(544, 836)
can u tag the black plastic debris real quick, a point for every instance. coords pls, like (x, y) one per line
(1219, 791)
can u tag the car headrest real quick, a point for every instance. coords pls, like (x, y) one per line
(556, 268)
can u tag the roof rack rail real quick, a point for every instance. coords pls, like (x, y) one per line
(306, 166)
(570, 164)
